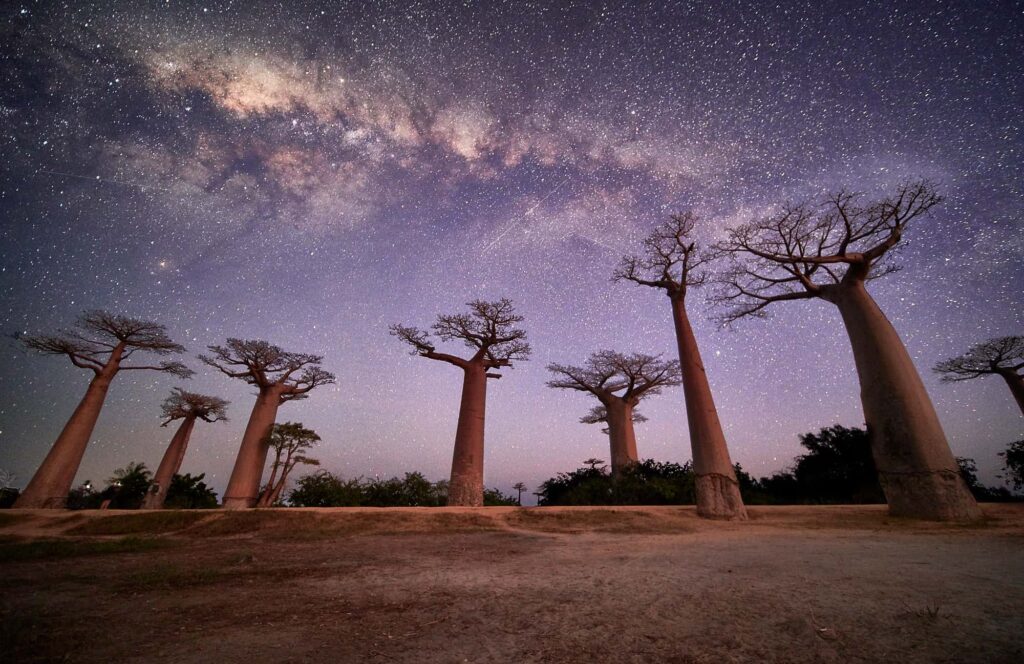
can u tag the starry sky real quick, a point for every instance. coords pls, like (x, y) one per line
(310, 173)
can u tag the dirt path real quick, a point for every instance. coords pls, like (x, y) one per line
(626, 585)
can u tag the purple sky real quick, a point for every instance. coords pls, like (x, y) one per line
(309, 176)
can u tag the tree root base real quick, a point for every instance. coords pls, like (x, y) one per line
(937, 495)
(238, 503)
(33, 503)
(718, 497)
(465, 494)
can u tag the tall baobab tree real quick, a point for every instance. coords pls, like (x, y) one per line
(672, 262)
(290, 441)
(1002, 356)
(489, 329)
(279, 377)
(635, 376)
(520, 487)
(102, 343)
(830, 251)
(187, 407)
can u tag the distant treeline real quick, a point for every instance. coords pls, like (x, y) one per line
(836, 469)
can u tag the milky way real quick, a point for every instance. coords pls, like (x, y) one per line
(311, 175)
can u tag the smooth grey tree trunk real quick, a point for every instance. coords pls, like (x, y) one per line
(621, 434)
(466, 487)
(170, 464)
(51, 483)
(717, 490)
(244, 485)
(916, 468)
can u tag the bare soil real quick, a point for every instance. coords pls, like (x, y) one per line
(652, 584)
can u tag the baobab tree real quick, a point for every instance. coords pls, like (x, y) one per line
(830, 251)
(489, 329)
(102, 343)
(634, 376)
(1002, 356)
(187, 407)
(279, 377)
(290, 442)
(520, 488)
(673, 263)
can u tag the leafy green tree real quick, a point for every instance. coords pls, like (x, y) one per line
(290, 442)
(189, 492)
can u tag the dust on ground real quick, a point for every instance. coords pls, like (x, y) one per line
(650, 584)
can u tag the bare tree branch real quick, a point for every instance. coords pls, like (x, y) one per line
(267, 366)
(1001, 355)
(101, 341)
(671, 259)
(489, 329)
(191, 404)
(607, 372)
(811, 249)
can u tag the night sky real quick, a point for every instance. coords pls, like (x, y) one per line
(309, 175)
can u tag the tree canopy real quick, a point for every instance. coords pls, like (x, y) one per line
(606, 372)
(1001, 355)
(489, 329)
(809, 249)
(100, 338)
(183, 404)
(267, 366)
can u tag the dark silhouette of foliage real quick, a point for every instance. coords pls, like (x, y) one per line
(647, 482)
(325, 489)
(128, 486)
(1013, 464)
(189, 492)
(495, 498)
(7, 497)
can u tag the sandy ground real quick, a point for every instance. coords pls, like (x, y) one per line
(796, 584)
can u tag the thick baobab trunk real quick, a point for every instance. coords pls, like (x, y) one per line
(718, 492)
(244, 485)
(1016, 383)
(50, 485)
(169, 465)
(916, 468)
(621, 435)
(466, 487)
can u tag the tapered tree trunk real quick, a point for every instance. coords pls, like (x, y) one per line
(718, 492)
(1016, 385)
(466, 487)
(621, 435)
(916, 468)
(169, 465)
(244, 485)
(50, 485)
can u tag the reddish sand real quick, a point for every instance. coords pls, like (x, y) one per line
(795, 584)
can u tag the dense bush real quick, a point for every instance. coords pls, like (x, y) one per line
(190, 493)
(837, 469)
(646, 483)
(324, 489)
